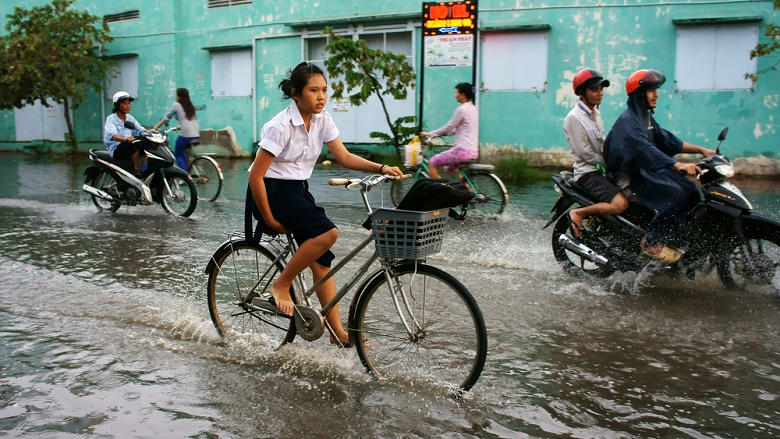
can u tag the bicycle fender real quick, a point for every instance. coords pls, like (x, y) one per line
(228, 245)
(213, 162)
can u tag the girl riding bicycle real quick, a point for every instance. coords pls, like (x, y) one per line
(278, 194)
(465, 125)
(185, 114)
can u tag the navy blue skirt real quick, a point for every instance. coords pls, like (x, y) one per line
(292, 205)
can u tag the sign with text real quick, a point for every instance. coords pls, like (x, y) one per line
(449, 50)
(449, 18)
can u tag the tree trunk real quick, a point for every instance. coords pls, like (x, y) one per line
(71, 134)
(387, 115)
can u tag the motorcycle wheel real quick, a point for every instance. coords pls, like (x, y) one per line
(107, 184)
(182, 198)
(753, 266)
(572, 263)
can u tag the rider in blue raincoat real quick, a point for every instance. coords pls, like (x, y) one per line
(639, 154)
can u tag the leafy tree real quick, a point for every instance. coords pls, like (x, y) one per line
(768, 48)
(52, 52)
(368, 72)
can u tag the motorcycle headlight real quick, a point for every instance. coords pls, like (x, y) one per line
(725, 170)
(557, 189)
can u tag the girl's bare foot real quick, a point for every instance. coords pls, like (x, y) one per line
(282, 299)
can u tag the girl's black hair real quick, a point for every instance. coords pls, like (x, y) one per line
(186, 103)
(466, 89)
(299, 77)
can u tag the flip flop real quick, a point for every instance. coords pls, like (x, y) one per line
(575, 230)
(667, 255)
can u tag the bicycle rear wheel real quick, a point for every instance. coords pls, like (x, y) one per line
(206, 176)
(448, 344)
(399, 188)
(490, 195)
(239, 273)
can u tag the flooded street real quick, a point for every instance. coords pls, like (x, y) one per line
(105, 332)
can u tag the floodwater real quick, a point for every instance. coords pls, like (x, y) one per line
(105, 332)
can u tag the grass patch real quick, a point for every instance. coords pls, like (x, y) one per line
(516, 169)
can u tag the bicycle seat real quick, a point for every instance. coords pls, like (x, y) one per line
(480, 167)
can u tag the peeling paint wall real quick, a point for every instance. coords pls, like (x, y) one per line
(615, 36)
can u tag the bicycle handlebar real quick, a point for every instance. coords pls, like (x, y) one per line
(365, 182)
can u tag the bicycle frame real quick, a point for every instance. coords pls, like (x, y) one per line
(304, 294)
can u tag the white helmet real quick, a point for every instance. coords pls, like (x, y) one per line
(120, 95)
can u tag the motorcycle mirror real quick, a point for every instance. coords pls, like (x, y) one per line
(129, 124)
(721, 138)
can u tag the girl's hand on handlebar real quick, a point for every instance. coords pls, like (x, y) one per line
(423, 133)
(392, 170)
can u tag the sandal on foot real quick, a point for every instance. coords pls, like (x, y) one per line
(667, 255)
(574, 229)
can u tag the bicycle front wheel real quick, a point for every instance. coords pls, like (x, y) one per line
(237, 275)
(490, 195)
(399, 188)
(448, 340)
(205, 174)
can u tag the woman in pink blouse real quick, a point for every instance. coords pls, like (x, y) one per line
(464, 124)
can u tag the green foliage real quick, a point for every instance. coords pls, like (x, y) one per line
(360, 72)
(516, 169)
(770, 47)
(404, 133)
(50, 52)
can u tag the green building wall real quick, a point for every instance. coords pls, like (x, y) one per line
(173, 41)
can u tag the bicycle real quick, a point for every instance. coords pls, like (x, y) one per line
(204, 171)
(406, 317)
(490, 195)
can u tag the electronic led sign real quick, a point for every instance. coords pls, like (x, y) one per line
(450, 18)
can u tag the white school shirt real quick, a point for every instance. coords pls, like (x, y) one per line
(296, 150)
(585, 135)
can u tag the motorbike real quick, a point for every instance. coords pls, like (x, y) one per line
(725, 234)
(111, 182)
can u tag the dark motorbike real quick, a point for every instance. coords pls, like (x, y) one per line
(742, 246)
(111, 182)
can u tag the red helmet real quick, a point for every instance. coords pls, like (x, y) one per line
(644, 80)
(587, 78)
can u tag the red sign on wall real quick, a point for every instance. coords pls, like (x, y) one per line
(450, 18)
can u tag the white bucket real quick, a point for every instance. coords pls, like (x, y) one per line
(413, 156)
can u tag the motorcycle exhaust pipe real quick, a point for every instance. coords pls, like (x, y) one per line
(96, 192)
(582, 250)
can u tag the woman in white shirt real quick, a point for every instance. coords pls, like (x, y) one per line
(185, 114)
(278, 194)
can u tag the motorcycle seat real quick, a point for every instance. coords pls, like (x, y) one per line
(194, 142)
(105, 155)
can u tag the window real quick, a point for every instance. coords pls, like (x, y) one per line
(223, 3)
(715, 57)
(231, 73)
(122, 16)
(356, 123)
(514, 61)
(124, 77)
